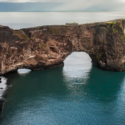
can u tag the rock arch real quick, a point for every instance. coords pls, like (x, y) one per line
(48, 46)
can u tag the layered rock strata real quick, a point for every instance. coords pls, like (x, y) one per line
(48, 46)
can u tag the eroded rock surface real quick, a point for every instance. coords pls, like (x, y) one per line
(48, 46)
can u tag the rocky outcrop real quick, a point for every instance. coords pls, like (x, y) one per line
(1, 105)
(48, 46)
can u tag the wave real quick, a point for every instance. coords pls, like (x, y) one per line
(3, 86)
(23, 71)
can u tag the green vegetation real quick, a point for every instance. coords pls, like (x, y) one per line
(53, 30)
(104, 28)
(38, 27)
(43, 45)
(112, 26)
(21, 34)
(122, 26)
(115, 30)
(123, 36)
(66, 25)
(99, 56)
(114, 23)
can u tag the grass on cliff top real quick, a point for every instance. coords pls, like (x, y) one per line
(38, 27)
(54, 30)
(114, 23)
(20, 34)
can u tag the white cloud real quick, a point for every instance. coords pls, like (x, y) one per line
(122, 1)
(24, 1)
(84, 4)
(66, 1)
(79, 4)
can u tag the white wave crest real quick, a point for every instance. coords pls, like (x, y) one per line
(23, 71)
(3, 85)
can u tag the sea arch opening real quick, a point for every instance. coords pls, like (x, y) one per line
(77, 66)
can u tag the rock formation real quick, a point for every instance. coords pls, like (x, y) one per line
(48, 46)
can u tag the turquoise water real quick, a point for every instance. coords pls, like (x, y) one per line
(77, 93)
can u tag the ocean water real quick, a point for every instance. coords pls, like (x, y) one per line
(77, 93)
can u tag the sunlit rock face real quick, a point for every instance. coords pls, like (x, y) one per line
(48, 46)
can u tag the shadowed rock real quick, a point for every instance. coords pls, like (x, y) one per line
(1, 105)
(48, 46)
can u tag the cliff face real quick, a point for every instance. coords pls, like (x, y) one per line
(48, 46)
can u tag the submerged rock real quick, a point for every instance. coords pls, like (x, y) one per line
(48, 46)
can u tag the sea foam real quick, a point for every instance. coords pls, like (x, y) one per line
(23, 71)
(3, 86)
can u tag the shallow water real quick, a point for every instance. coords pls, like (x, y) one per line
(77, 93)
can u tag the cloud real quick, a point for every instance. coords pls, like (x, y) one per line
(28, 7)
(25, 1)
(97, 5)
(79, 4)
(71, 5)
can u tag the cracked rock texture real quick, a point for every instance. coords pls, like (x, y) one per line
(48, 46)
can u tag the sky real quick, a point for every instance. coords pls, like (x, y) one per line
(62, 5)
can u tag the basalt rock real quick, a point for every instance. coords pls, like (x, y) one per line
(48, 46)
(1, 105)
